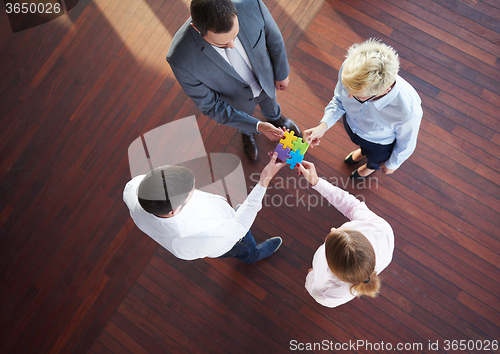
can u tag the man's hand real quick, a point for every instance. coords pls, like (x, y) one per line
(270, 131)
(270, 170)
(282, 85)
(386, 170)
(312, 136)
(309, 171)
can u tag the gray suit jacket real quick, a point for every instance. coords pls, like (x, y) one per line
(211, 82)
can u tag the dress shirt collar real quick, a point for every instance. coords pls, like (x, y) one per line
(239, 47)
(382, 102)
(185, 212)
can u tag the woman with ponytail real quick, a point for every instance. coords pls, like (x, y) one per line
(348, 263)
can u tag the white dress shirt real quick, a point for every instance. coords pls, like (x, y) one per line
(321, 283)
(395, 116)
(239, 47)
(255, 86)
(207, 226)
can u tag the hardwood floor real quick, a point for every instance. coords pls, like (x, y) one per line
(78, 276)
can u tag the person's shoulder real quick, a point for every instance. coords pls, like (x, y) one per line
(130, 190)
(200, 195)
(133, 184)
(181, 43)
(409, 100)
(406, 89)
(245, 3)
(243, 6)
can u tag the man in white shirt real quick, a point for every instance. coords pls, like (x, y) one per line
(192, 224)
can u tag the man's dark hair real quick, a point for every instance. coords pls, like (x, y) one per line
(213, 15)
(165, 188)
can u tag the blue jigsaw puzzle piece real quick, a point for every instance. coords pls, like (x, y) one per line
(295, 158)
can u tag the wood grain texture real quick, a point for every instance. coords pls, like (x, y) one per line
(77, 274)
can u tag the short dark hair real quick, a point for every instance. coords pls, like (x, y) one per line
(165, 188)
(213, 15)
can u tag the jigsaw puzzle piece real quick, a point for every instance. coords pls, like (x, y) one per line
(288, 140)
(283, 153)
(295, 158)
(301, 145)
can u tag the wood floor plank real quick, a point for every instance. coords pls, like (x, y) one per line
(449, 307)
(80, 277)
(432, 30)
(205, 298)
(439, 20)
(124, 339)
(481, 28)
(158, 332)
(112, 344)
(488, 9)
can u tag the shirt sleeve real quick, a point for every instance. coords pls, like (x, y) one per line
(129, 192)
(247, 212)
(275, 45)
(335, 109)
(406, 141)
(237, 227)
(224, 233)
(345, 202)
(210, 103)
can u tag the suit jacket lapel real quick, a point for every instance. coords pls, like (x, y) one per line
(248, 48)
(212, 54)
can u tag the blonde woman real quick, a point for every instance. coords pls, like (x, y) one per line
(348, 263)
(382, 112)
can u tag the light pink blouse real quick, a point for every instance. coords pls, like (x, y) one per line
(321, 283)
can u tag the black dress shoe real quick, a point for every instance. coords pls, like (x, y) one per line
(349, 160)
(250, 147)
(357, 177)
(288, 124)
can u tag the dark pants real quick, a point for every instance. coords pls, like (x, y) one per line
(268, 106)
(244, 250)
(376, 154)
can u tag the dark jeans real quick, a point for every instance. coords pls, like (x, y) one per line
(376, 154)
(244, 250)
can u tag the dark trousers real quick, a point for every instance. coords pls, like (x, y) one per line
(376, 154)
(244, 250)
(268, 106)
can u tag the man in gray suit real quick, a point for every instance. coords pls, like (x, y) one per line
(229, 57)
